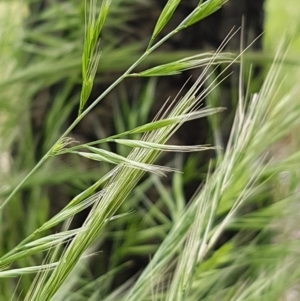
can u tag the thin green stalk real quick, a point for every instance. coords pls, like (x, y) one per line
(25, 179)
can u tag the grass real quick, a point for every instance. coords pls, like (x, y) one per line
(226, 243)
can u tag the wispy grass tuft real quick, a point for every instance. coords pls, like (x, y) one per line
(121, 180)
(234, 183)
(223, 244)
(124, 180)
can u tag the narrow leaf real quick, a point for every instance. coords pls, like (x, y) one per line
(39, 245)
(27, 270)
(70, 210)
(109, 157)
(158, 124)
(162, 147)
(164, 18)
(204, 10)
(173, 120)
(188, 63)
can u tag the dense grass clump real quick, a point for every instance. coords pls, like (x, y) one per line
(78, 213)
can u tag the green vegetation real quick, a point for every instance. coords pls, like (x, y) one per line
(235, 239)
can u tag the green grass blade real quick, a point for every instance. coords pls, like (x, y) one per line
(203, 10)
(164, 18)
(185, 64)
